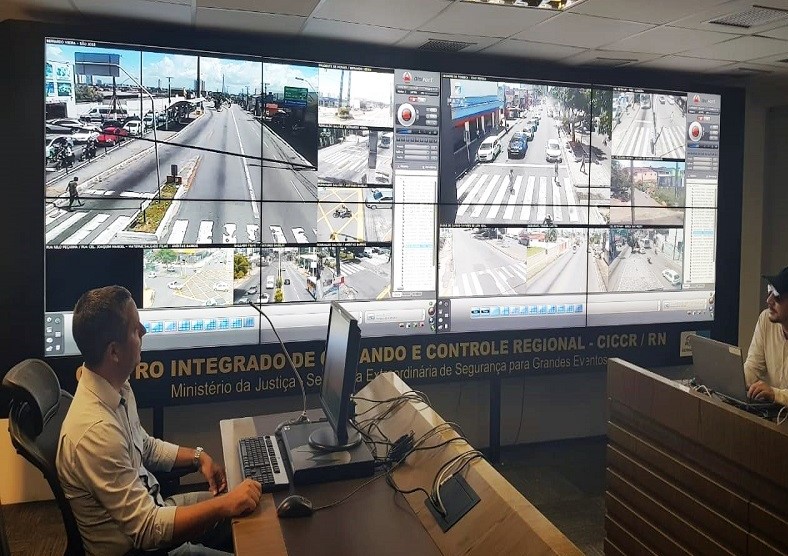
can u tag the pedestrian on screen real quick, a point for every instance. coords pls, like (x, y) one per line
(583, 164)
(556, 173)
(73, 194)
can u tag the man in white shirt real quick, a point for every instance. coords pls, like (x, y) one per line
(766, 367)
(104, 455)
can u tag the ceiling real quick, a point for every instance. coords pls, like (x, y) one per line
(658, 34)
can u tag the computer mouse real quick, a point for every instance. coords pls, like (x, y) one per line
(294, 506)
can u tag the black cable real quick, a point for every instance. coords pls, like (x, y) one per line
(303, 417)
(522, 413)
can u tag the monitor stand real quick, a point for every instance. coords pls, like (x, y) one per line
(326, 439)
(313, 465)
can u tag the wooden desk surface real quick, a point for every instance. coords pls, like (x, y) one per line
(375, 520)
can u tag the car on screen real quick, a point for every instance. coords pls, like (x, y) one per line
(134, 127)
(379, 198)
(251, 290)
(553, 151)
(671, 276)
(517, 147)
(221, 287)
(175, 285)
(489, 149)
(263, 298)
(269, 283)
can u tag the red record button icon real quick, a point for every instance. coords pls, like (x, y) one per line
(406, 114)
(695, 131)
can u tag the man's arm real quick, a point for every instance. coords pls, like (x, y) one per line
(194, 520)
(755, 365)
(100, 461)
(212, 471)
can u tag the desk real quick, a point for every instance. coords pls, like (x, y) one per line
(688, 474)
(377, 520)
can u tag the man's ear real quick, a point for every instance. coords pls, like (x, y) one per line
(111, 353)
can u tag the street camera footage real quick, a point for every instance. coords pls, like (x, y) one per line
(425, 202)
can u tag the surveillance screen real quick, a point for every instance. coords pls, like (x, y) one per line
(215, 183)
(215, 186)
(574, 206)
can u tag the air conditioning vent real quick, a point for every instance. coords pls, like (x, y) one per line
(436, 45)
(753, 17)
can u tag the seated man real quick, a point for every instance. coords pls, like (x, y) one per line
(104, 454)
(766, 368)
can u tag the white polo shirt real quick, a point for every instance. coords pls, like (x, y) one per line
(767, 359)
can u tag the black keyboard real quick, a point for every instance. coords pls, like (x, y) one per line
(262, 461)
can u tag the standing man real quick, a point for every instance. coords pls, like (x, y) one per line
(556, 174)
(73, 194)
(104, 455)
(766, 367)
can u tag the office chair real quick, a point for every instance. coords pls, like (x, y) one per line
(38, 408)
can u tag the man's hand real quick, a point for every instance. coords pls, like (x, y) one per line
(214, 473)
(761, 391)
(243, 498)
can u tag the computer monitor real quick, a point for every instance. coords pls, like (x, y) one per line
(339, 376)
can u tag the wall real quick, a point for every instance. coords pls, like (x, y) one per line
(764, 198)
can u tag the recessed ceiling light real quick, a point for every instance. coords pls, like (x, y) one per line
(555, 5)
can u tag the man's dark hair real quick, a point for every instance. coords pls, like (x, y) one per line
(100, 318)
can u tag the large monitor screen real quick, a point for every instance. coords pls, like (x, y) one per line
(425, 202)
(566, 205)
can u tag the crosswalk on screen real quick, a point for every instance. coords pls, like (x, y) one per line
(207, 183)
(572, 205)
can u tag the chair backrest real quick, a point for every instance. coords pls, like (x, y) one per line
(38, 408)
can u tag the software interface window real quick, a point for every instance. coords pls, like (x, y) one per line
(426, 202)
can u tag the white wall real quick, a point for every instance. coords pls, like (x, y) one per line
(764, 200)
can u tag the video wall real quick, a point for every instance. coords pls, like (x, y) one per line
(213, 186)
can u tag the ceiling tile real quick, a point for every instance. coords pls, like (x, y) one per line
(532, 50)
(779, 33)
(699, 20)
(741, 48)
(740, 68)
(417, 38)
(486, 20)
(287, 7)
(249, 21)
(655, 12)
(581, 30)
(683, 63)
(772, 60)
(165, 12)
(669, 40)
(407, 14)
(589, 57)
(352, 31)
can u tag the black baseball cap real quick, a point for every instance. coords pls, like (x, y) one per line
(779, 282)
